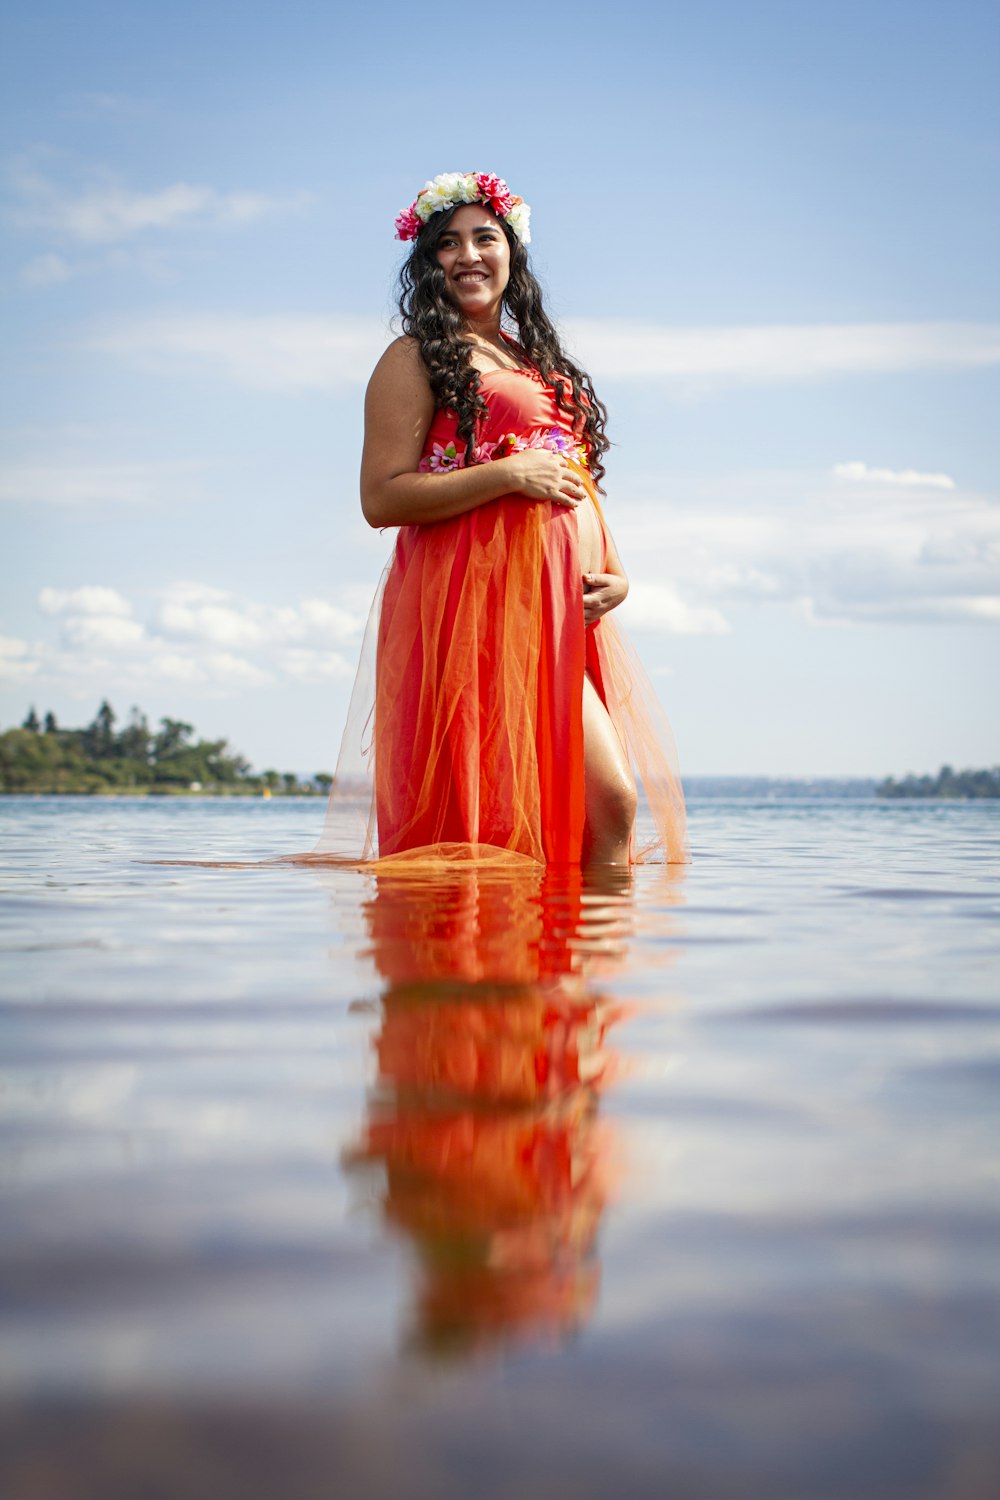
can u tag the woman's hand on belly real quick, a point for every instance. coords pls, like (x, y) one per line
(541, 475)
(601, 592)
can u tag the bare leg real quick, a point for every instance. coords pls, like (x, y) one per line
(609, 785)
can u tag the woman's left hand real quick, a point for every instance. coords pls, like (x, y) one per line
(601, 592)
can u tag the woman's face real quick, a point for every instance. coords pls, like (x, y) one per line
(474, 255)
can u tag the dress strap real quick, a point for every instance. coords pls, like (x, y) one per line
(526, 364)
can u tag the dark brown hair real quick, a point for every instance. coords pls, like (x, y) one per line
(436, 323)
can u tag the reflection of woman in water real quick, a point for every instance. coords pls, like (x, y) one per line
(508, 714)
(491, 1059)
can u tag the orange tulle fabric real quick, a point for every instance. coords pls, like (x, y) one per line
(467, 715)
(494, 1050)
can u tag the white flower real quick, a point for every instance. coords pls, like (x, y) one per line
(449, 189)
(519, 219)
(445, 191)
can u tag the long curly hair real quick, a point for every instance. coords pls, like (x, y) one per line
(436, 323)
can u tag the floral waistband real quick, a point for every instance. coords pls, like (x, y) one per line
(445, 456)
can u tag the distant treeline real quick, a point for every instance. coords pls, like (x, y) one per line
(954, 785)
(41, 757)
(781, 788)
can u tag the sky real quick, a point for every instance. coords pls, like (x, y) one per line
(769, 230)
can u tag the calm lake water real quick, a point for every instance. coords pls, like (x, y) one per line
(317, 1184)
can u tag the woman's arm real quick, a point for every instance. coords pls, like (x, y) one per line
(399, 408)
(604, 591)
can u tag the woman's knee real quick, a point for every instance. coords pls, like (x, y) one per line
(616, 801)
(627, 801)
(611, 794)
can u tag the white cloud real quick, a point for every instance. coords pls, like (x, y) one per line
(658, 606)
(198, 613)
(92, 618)
(69, 483)
(197, 634)
(215, 623)
(102, 632)
(170, 666)
(860, 473)
(268, 353)
(194, 594)
(223, 666)
(329, 622)
(326, 353)
(17, 661)
(307, 665)
(867, 550)
(702, 358)
(102, 210)
(88, 600)
(944, 609)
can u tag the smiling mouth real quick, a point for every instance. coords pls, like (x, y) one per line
(471, 276)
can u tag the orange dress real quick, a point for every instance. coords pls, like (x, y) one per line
(476, 743)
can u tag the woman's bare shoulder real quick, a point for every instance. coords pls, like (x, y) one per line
(401, 362)
(399, 386)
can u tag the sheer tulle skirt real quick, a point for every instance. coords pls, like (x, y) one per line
(464, 739)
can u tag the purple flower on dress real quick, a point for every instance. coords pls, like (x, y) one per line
(445, 456)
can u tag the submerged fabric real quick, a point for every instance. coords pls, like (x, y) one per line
(475, 740)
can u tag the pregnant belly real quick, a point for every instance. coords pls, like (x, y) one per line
(591, 538)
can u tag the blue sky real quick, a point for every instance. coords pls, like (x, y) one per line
(770, 230)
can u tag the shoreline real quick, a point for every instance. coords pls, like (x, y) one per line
(743, 790)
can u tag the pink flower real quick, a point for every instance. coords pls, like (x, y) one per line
(495, 193)
(442, 457)
(552, 439)
(508, 444)
(408, 226)
(445, 456)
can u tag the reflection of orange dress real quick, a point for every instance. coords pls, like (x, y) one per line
(493, 1053)
(481, 653)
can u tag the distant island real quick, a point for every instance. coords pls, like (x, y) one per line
(952, 785)
(948, 785)
(780, 788)
(41, 758)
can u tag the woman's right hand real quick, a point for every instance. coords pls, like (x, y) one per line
(542, 475)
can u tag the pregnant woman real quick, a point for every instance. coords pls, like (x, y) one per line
(508, 714)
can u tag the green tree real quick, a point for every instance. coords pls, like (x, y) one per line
(174, 736)
(218, 763)
(96, 759)
(99, 737)
(135, 741)
(32, 722)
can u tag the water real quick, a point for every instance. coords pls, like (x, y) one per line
(320, 1185)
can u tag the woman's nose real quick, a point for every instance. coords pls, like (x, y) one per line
(468, 254)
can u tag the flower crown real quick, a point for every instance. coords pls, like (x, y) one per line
(452, 188)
